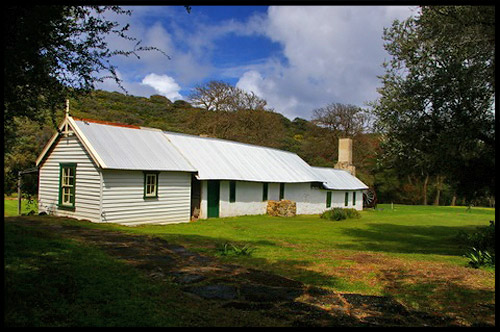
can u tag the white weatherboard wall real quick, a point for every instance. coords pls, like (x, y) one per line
(124, 202)
(87, 186)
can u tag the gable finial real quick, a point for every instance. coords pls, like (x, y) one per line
(67, 107)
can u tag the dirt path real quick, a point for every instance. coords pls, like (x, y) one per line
(233, 286)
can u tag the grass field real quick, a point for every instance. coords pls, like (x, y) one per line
(10, 207)
(409, 253)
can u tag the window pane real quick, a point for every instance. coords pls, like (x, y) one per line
(67, 185)
(66, 195)
(151, 189)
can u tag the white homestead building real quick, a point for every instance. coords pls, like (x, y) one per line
(106, 172)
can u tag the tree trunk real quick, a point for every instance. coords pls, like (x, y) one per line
(439, 184)
(426, 181)
(454, 200)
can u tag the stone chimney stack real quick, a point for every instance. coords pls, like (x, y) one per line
(345, 156)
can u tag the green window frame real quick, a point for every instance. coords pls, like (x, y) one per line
(67, 186)
(232, 191)
(151, 184)
(346, 203)
(282, 191)
(353, 198)
(328, 199)
(265, 190)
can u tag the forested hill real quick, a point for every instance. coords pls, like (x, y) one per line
(316, 145)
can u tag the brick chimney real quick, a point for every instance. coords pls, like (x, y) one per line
(345, 156)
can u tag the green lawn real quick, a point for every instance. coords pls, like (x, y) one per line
(10, 207)
(52, 281)
(409, 253)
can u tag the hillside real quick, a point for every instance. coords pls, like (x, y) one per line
(316, 145)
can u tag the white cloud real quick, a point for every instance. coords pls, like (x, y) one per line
(329, 54)
(164, 85)
(333, 54)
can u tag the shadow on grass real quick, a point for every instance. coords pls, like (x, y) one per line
(375, 238)
(51, 280)
(445, 295)
(439, 240)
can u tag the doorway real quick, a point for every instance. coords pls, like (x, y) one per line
(195, 197)
(213, 193)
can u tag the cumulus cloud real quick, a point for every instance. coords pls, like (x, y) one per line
(328, 54)
(333, 54)
(149, 25)
(164, 85)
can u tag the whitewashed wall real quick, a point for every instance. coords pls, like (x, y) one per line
(249, 198)
(313, 201)
(124, 202)
(87, 186)
(203, 200)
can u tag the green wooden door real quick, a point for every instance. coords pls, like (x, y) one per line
(213, 198)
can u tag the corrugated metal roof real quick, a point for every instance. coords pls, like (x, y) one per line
(123, 147)
(129, 148)
(337, 179)
(228, 160)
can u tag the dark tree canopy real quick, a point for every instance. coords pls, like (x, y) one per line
(52, 52)
(437, 101)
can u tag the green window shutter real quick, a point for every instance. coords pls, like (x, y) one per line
(232, 191)
(151, 184)
(328, 199)
(346, 199)
(282, 191)
(67, 186)
(354, 198)
(265, 188)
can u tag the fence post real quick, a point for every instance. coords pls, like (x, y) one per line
(19, 193)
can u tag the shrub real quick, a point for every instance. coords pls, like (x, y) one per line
(352, 214)
(482, 239)
(479, 258)
(340, 214)
(480, 244)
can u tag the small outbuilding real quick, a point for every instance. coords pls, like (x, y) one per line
(108, 172)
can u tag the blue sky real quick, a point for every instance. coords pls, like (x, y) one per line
(298, 58)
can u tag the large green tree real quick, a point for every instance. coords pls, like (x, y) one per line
(52, 52)
(436, 109)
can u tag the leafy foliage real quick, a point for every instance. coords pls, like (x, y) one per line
(229, 249)
(437, 100)
(482, 239)
(480, 244)
(338, 214)
(478, 258)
